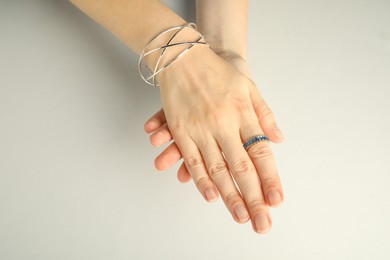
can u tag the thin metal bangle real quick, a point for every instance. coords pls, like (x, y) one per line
(162, 54)
(162, 47)
(143, 54)
(167, 45)
(156, 71)
(175, 59)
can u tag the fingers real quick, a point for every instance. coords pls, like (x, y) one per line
(265, 116)
(247, 180)
(169, 157)
(161, 136)
(155, 122)
(182, 174)
(220, 175)
(264, 162)
(254, 170)
(195, 165)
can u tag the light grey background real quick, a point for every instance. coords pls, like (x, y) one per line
(77, 179)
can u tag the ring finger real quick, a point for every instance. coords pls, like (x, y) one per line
(264, 162)
(247, 180)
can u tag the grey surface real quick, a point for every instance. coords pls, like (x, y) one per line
(77, 179)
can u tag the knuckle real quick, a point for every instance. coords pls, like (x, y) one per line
(216, 114)
(245, 110)
(201, 182)
(271, 182)
(242, 167)
(175, 125)
(266, 112)
(193, 162)
(225, 131)
(217, 168)
(202, 140)
(243, 107)
(223, 125)
(256, 205)
(260, 150)
(233, 199)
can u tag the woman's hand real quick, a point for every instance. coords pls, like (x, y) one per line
(209, 109)
(160, 134)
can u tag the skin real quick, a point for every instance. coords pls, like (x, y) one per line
(208, 131)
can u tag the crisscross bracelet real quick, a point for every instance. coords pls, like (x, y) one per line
(148, 75)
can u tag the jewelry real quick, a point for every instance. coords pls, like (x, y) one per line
(148, 75)
(255, 139)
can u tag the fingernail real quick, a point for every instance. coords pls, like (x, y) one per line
(241, 212)
(261, 223)
(278, 133)
(274, 198)
(210, 194)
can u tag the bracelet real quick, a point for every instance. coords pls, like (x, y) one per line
(146, 73)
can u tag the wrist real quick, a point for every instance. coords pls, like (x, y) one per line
(221, 45)
(225, 50)
(188, 68)
(166, 49)
(177, 41)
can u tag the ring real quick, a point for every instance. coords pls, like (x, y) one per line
(255, 139)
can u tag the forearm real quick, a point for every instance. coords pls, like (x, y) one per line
(224, 24)
(135, 22)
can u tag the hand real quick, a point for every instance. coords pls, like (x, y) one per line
(160, 134)
(202, 124)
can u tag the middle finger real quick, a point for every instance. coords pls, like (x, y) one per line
(247, 180)
(220, 175)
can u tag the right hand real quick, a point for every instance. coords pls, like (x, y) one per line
(209, 112)
(160, 134)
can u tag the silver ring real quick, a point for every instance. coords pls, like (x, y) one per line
(254, 139)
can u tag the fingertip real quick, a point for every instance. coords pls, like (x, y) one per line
(275, 198)
(277, 141)
(182, 175)
(278, 134)
(149, 127)
(262, 223)
(153, 141)
(211, 195)
(274, 134)
(184, 179)
(159, 167)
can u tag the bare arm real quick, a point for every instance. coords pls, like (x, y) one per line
(224, 24)
(209, 107)
(124, 17)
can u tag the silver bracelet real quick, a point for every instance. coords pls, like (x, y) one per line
(146, 73)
